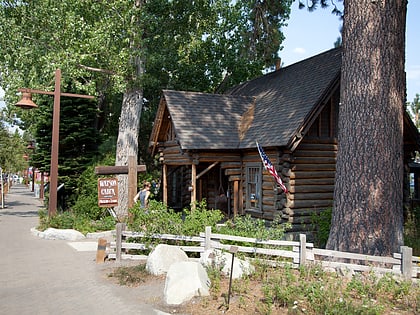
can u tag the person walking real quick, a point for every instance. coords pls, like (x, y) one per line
(143, 195)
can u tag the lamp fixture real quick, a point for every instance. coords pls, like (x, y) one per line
(26, 101)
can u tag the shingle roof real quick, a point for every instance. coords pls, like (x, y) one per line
(270, 109)
(207, 121)
(285, 98)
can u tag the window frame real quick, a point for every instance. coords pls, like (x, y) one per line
(253, 188)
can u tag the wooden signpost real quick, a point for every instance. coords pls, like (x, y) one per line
(108, 192)
(131, 169)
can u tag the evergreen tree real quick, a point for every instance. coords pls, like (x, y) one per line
(79, 140)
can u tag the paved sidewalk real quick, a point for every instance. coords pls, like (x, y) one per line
(39, 276)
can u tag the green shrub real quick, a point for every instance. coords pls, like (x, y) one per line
(412, 230)
(196, 220)
(157, 219)
(246, 226)
(70, 220)
(322, 223)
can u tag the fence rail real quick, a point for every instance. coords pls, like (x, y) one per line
(296, 252)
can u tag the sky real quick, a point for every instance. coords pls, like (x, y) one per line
(310, 33)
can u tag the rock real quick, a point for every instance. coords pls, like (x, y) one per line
(98, 235)
(162, 257)
(184, 281)
(223, 260)
(59, 234)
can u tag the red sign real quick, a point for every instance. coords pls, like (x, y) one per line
(107, 192)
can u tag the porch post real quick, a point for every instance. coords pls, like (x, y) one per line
(193, 185)
(235, 197)
(165, 184)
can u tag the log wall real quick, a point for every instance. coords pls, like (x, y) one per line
(310, 181)
(308, 173)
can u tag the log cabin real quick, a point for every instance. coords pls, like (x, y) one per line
(206, 143)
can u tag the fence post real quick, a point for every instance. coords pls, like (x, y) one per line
(118, 242)
(207, 238)
(302, 249)
(406, 261)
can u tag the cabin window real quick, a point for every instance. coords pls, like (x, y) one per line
(253, 187)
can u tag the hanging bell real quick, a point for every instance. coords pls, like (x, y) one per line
(26, 101)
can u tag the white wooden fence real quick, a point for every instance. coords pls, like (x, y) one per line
(295, 252)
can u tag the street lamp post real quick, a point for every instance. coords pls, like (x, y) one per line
(26, 102)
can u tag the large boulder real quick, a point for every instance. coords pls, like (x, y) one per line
(223, 260)
(162, 257)
(184, 281)
(59, 234)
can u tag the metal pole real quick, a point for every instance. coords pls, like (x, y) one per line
(52, 203)
(233, 250)
(230, 280)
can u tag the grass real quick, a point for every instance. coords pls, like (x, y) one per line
(307, 290)
(130, 276)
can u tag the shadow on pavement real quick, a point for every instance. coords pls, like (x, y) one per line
(18, 204)
(33, 213)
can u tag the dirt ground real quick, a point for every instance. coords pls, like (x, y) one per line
(246, 297)
(149, 290)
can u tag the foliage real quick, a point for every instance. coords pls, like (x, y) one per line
(311, 290)
(247, 226)
(190, 46)
(12, 149)
(412, 230)
(129, 276)
(78, 141)
(306, 290)
(322, 223)
(102, 47)
(86, 194)
(414, 110)
(159, 219)
(84, 214)
(196, 220)
(70, 220)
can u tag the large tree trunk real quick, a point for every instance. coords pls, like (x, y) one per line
(127, 143)
(128, 130)
(368, 197)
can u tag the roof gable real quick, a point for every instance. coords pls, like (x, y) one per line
(286, 98)
(207, 121)
(270, 109)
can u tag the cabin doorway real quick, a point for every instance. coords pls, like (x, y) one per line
(213, 187)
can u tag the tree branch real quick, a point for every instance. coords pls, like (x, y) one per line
(106, 71)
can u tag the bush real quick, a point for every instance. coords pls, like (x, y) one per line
(412, 230)
(159, 219)
(195, 221)
(322, 223)
(247, 226)
(70, 220)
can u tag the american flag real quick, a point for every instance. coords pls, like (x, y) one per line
(270, 168)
